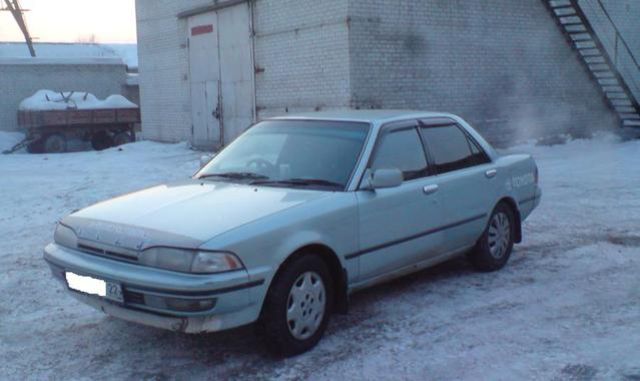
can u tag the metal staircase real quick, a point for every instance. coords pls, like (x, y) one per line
(582, 37)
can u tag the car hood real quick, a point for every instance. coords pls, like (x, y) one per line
(185, 214)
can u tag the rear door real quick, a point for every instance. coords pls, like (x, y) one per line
(398, 226)
(467, 181)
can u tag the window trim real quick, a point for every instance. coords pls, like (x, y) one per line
(446, 122)
(390, 127)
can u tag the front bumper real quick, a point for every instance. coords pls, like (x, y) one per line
(145, 289)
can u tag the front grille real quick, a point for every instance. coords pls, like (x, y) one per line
(133, 297)
(106, 253)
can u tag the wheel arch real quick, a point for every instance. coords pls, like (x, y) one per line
(513, 205)
(337, 271)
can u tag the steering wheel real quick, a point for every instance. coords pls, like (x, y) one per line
(262, 165)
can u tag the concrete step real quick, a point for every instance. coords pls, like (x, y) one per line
(590, 52)
(573, 28)
(564, 11)
(581, 37)
(631, 123)
(571, 20)
(559, 3)
(585, 44)
(630, 116)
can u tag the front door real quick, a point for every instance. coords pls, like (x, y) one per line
(221, 75)
(399, 226)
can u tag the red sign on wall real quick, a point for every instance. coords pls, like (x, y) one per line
(201, 29)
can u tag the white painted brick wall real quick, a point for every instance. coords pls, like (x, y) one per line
(302, 52)
(21, 81)
(501, 64)
(301, 45)
(163, 65)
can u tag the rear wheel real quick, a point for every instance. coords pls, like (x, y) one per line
(122, 138)
(55, 143)
(493, 249)
(298, 305)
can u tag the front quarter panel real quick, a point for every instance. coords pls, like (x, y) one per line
(265, 244)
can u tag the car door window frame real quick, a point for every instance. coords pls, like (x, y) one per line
(445, 122)
(409, 124)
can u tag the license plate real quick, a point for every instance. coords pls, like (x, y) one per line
(92, 286)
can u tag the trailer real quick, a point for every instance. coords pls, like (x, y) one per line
(105, 124)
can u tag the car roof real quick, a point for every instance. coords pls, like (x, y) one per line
(370, 116)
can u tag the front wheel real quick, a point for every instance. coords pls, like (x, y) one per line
(298, 305)
(493, 249)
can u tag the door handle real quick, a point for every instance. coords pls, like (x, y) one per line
(491, 173)
(216, 112)
(430, 189)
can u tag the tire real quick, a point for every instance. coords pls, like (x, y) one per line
(55, 143)
(122, 138)
(101, 140)
(294, 317)
(36, 146)
(493, 249)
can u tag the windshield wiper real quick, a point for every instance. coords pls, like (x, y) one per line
(236, 176)
(300, 182)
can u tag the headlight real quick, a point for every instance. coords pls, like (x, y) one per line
(206, 262)
(65, 236)
(193, 261)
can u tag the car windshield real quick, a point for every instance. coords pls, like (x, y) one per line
(291, 153)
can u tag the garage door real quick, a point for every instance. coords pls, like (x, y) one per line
(221, 75)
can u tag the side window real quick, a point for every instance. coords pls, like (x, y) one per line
(403, 150)
(479, 156)
(450, 148)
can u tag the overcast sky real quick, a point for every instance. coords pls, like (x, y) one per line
(73, 20)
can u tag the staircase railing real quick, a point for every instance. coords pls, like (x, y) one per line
(623, 57)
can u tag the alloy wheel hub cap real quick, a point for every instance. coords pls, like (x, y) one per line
(306, 305)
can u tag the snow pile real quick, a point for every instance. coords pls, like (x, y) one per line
(9, 139)
(72, 100)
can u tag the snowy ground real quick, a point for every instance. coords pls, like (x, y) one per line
(567, 306)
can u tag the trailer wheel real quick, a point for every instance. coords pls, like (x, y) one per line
(36, 146)
(101, 140)
(55, 143)
(121, 138)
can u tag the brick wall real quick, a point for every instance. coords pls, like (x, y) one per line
(302, 56)
(164, 69)
(21, 78)
(503, 65)
(300, 47)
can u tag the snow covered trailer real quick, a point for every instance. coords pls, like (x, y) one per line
(51, 119)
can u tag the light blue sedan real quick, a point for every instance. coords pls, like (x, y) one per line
(291, 218)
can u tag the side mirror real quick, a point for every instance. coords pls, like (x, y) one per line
(205, 159)
(385, 178)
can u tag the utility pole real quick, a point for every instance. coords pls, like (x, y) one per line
(16, 11)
